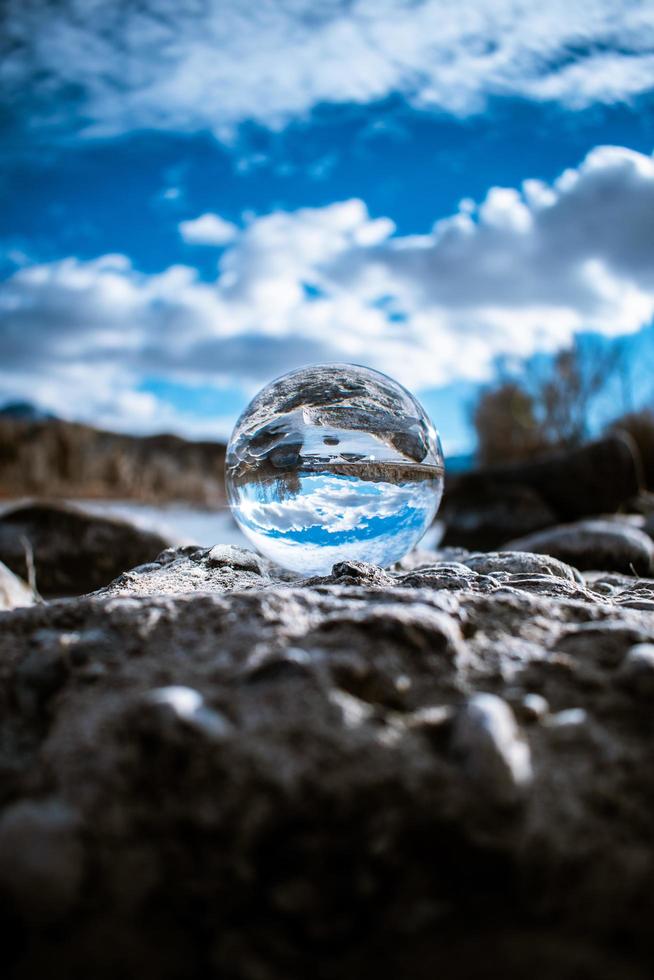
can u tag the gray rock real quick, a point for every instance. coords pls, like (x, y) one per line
(534, 707)
(593, 544)
(495, 754)
(521, 563)
(359, 573)
(637, 669)
(638, 603)
(480, 515)
(619, 587)
(208, 770)
(486, 507)
(183, 705)
(441, 575)
(73, 551)
(566, 723)
(13, 591)
(229, 556)
(191, 569)
(222, 568)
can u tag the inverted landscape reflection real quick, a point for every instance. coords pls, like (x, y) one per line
(336, 515)
(334, 462)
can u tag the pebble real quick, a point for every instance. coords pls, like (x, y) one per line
(360, 572)
(354, 711)
(232, 557)
(187, 705)
(535, 707)
(494, 752)
(565, 724)
(637, 669)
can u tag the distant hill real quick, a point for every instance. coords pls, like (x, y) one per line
(46, 457)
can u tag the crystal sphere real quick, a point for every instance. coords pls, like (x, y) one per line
(334, 462)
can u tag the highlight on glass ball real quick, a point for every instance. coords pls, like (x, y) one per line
(334, 462)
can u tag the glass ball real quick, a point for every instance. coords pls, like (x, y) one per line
(334, 462)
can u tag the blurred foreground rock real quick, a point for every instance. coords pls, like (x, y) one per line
(443, 770)
(73, 551)
(484, 508)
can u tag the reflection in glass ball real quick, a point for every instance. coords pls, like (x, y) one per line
(334, 462)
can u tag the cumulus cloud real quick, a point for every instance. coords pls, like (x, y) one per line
(208, 229)
(520, 271)
(526, 267)
(378, 519)
(109, 68)
(333, 505)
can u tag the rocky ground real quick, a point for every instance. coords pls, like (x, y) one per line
(209, 770)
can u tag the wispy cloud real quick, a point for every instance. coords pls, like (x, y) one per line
(110, 68)
(520, 271)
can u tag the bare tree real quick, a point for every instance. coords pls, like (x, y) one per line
(541, 408)
(506, 425)
(564, 397)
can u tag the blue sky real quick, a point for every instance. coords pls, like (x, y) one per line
(196, 201)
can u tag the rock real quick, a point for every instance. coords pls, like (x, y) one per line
(359, 572)
(486, 507)
(566, 723)
(229, 556)
(185, 705)
(480, 515)
(637, 669)
(487, 737)
(620, 588)
(209, 770)
(517, 563)
(534, 707)
(443, 575)
(74, 552)
(593, 544)
(191, 569)
(13, 591)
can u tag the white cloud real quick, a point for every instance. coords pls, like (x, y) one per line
(336, 506)
(208, 229)
(335, 503)
(520, 271)
(189, 67)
